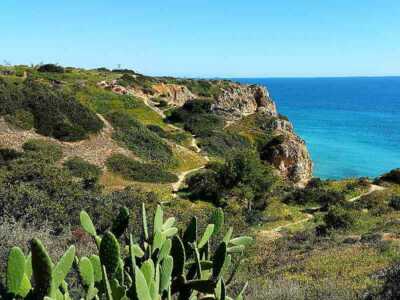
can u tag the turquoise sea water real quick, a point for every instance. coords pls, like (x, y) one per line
(351, 125)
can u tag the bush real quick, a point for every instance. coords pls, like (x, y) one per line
(21, 118)
(142, 141)
(270, 148)
(134, 170)
(43, 149)
(221, 143)
(81, 168)
(374, 202)
(338, 217)
(51, 112)
(395, 202)
(126, 80)
(51, 68)
(242, 177)
(206, 186)
(392, 176)
(7, 155)
(197, 117)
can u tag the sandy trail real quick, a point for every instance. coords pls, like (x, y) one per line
(274, 232)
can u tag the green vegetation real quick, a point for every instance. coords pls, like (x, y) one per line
(81, 168)
(393, 176)
(43, 149)
(54, 113)
(51, 68)
(311, 243)
(133, 170)
(162, 265)
(143, 142)
(243, 177)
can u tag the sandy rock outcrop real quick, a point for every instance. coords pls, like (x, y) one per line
(292, 159)
(175, 94)
(238, 100)
(113, 86)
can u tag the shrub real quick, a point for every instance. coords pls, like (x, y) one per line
(270, 148)
(328, 198)
(205, 186)
(7, 155)
(134, 170)
(392, 176)
(81, 168)
(126, 80)
(243, 177)
(158, 130)
(54, 113)
(395, 202)
(21, 118)
(221, 143)
(51, 68)
(338, 217)
(197, 117)
(374, 202)
(142, 141)
(43, 149)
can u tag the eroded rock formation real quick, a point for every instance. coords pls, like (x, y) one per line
(237, 100)
(173, 93)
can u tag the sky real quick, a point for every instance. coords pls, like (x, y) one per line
(207, 38)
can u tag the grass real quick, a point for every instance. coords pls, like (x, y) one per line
(348, 266)
(187, 160)
(280, 214)
(114, 182)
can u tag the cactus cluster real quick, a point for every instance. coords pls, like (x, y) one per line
(48, 278)
(164, 263)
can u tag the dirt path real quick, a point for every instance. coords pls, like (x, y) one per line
(274, 233)
(372, 188)
(181, 179)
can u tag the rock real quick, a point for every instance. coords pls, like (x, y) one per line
(238, 100)
(352, 239)
(292, 159)
(113, 86)
(173, 93)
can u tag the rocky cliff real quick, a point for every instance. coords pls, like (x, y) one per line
(291, 157)
(175, 94)
(237, 100)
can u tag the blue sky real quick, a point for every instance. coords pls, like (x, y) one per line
(207, 38)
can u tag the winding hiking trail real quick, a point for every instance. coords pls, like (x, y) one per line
(181, 176)
(274, 233)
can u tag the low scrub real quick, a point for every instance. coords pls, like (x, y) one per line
(138, 138)
(338, 218)
(51, 112)
(133, 170)
(81, 168)
(393, 176)
(43, 149)
(51, 68)
(243, 177)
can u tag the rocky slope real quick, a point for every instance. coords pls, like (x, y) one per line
(238, 100)
(291, 157)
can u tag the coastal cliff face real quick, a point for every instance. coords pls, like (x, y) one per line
(174, 94)
(291, 157)
(237, 100)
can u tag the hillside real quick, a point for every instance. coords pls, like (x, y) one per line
(73, 139)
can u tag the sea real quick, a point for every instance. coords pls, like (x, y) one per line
(351, 125)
